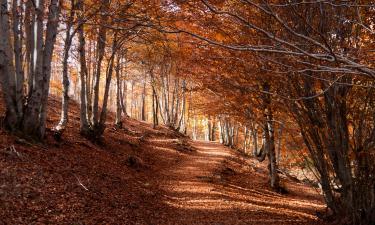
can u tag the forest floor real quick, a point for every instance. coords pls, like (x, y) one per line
(140, 175)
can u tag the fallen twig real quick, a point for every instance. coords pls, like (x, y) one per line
(80, 183)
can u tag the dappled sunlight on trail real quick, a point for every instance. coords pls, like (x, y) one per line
(200, 190)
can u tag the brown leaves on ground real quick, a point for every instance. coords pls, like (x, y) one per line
(140, 176)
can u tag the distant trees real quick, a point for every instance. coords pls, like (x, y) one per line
(169, 88)
(317, 68)
(97, 25)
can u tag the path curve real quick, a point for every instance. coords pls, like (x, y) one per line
(212, 186)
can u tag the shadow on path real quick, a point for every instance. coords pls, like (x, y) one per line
(199, 192)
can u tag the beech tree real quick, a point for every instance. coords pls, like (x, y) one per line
(26, 112)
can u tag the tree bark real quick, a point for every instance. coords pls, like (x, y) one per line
(59, 129)
(213, 130)
(103, 114)
(84, 117)
(155, 101)
(101, 42)
(29, 56)
(51, 33)
(118, 121)
(183, 107)
(35, 121)
(143, 109)
(17, 47)
(123, 99)
(7, 69)
(269, 137)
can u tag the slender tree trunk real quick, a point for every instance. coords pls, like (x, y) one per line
(155, 101)
(209, 129)
(154, 115)
(118, 121)
(228, 138)
(182, 115)
(59, 129)
(132, 99)
(101, 42)
(190, 106)
(143, 109)
(174, 107)
(254, 137)
(177, 108)
(165, 91)
(50, 39)
(123, 99)
(157, 109)
(195, 128)
(123, 96)
(270, 138)
(213, 130)
(161, 107)
(235, 134)
(103, 114)
(90, 81)
(17, 47)
(246, 132)
(7, 69)
(84, 116)
(29, 56)
(278, 157)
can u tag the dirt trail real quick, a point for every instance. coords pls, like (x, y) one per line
(85, 183)
(212, 186)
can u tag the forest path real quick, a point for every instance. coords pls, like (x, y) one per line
(214, 186)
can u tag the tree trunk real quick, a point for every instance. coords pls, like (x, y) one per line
(213, 130)
(29, 56)
(222, 131)
(278, 158)
(50, 39)
(123, 96)
(7, 69)
(31, 123)
(236, 135)
(103, 115)
(17, 47)
(118, 121)
(195, 129)
(209, 128)
(175, 103)
(155, 101)
(101, 42)
(246, 134)
(84, 117)
(254, 137)
(36, 109)
(182, 115)
(59, 129)
(90, 82)
(132, 99)
(166, 100)
(270, 138)
(143, 109)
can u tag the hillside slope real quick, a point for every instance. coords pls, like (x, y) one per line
(139, 175)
